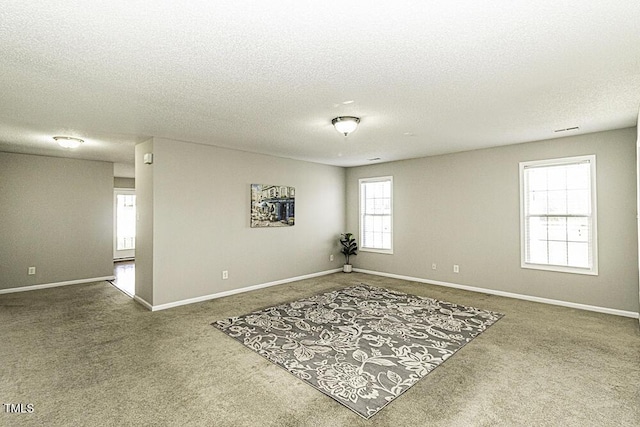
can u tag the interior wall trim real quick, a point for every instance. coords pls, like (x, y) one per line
(232, 291)
(142, 302)
(578, 306)
(55, 285)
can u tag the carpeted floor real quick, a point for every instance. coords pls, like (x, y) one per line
(362, 345)
(88, 355)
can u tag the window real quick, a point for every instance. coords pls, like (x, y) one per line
(376, 214)
(124, 223)
(558, 215)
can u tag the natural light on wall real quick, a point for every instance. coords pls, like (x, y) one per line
(558, 215)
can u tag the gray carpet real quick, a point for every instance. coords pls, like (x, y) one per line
(86, 355)
(362, 346)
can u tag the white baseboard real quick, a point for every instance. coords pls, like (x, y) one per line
(231, 292)
(142, 302)
(55, 285)
(605, 310)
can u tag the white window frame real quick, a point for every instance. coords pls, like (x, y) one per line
(121, 254)
(361, 214)
(591, 159)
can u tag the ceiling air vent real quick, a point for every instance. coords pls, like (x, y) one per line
(567, 129)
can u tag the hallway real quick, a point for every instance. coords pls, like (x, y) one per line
(125, 272)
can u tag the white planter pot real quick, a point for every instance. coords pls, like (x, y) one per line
(347, 268)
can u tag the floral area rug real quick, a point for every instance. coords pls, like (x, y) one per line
(362, 346)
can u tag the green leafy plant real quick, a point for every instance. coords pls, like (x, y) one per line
(349, 246)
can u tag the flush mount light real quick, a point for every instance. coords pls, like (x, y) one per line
(346, 124)
(68, 142)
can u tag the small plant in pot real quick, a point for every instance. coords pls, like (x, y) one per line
(349, 247)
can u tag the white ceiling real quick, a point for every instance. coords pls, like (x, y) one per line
(425, 77)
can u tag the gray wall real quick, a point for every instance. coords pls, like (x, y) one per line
(144, 223)
(638, 186)
(464, 209)
(119, 182)
(55, 214)
(201, 204)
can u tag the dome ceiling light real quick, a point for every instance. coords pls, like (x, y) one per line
(68, 142)
(345, 124)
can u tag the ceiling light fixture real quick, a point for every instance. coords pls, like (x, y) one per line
(346, 124)
(68, 142)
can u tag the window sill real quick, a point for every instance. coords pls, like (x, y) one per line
(378, 251)
(561, 269)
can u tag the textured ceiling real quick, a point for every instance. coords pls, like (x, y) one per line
(425, 77)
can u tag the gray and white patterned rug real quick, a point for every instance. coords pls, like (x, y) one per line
(362, 346)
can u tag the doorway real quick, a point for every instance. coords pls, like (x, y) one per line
(124, 239)
(125, 273)
(124, 224)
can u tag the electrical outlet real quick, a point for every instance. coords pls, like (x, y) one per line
(433, 266)
(32, 271)
(225, 274)
(456, 268)
(331, 257)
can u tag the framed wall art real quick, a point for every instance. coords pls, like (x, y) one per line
(272, 205)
